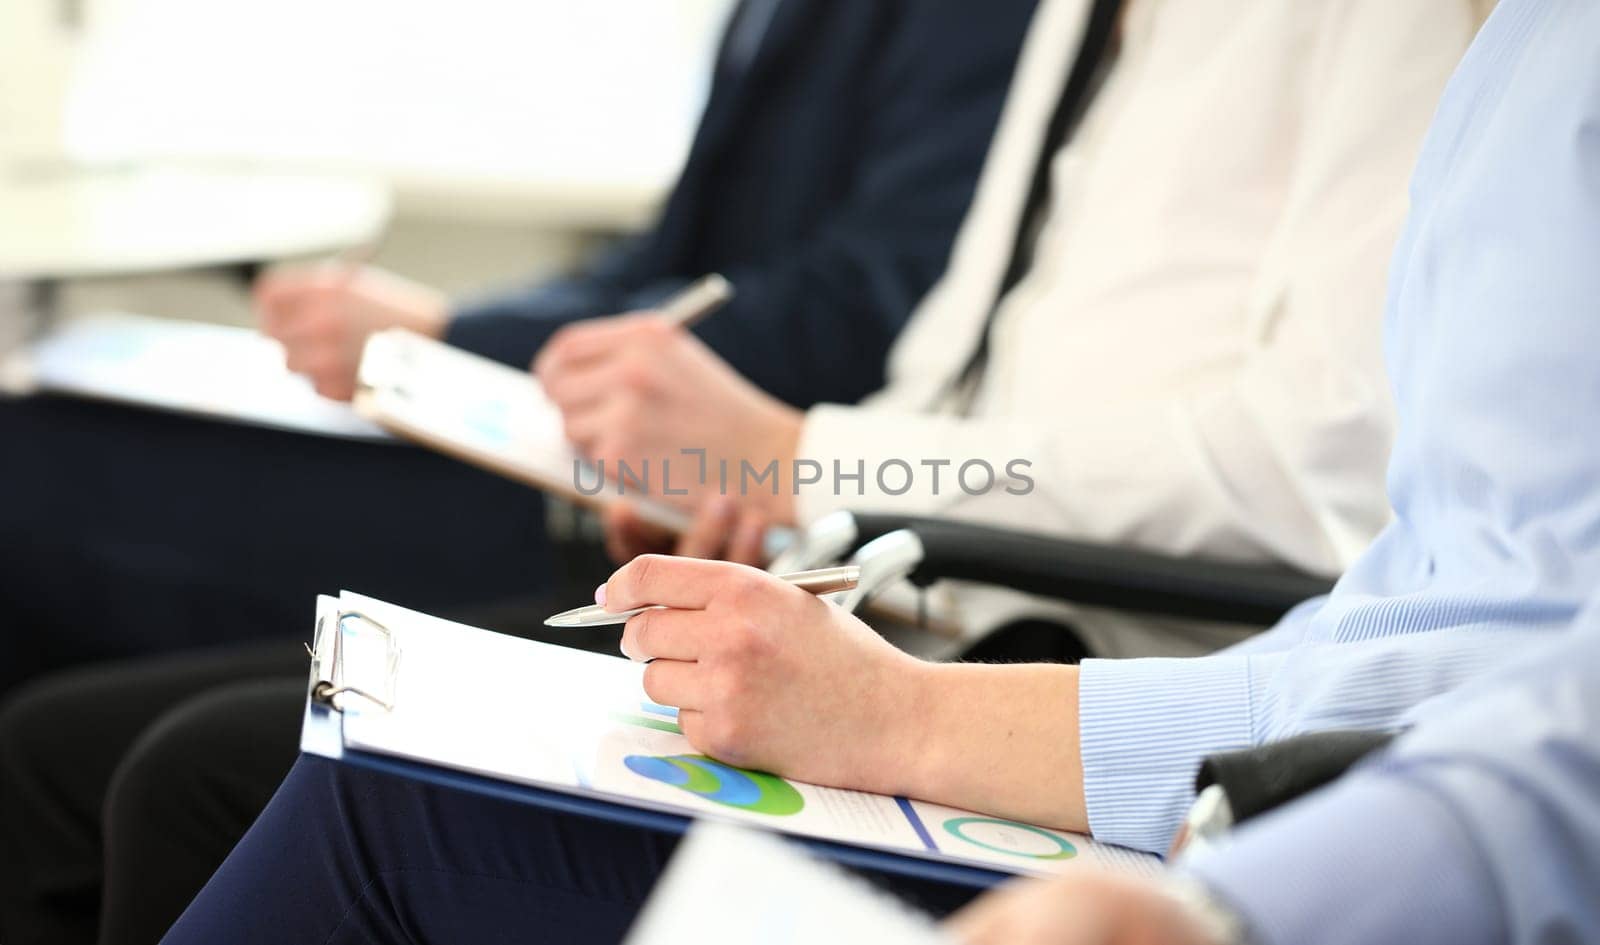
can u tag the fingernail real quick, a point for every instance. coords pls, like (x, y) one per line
(600, 595)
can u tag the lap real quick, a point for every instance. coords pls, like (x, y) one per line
(184, 795)
(126, 531)
(79, 723)
(61, 740)
(344, 855)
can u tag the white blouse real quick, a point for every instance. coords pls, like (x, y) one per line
(1193, 363)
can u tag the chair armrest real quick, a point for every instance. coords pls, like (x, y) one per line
(1259, 779)
(1099, 575)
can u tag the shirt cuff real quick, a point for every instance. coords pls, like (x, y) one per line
(1368, 860)
(1144, 726)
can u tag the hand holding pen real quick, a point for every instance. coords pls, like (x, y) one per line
(766, 674)
(323, 314)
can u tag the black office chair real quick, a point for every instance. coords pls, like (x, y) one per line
(1235, 786)
(925, 550)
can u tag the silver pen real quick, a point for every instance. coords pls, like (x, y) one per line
(820, 581)
(702, 297)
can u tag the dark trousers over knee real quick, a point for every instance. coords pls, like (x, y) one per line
(344, 856)
(122, 787)
(125, 532)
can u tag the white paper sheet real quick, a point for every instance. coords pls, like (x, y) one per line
(727, 886)
(217, 371)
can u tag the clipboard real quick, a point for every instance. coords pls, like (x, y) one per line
(398, 692)
(495, 417)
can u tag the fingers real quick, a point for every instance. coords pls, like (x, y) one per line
(585, 428)
(713, 525)
(281, 290)
(692, 723)
(976, 923)
(578, 387)
(991, 919)
(664, 635)
(684, 583)
(668, 682)
(748, 544)
(335, 387)
(628, 535)
(302, 314)
(594, 339)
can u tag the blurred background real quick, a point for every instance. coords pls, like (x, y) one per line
(146, 143)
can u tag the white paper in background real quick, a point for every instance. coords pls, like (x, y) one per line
(481, 407)
(497, 417)
(218, 371)
(729, 886)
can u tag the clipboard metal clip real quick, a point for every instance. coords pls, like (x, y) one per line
(329, 689)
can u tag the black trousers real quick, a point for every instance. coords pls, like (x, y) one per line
(125, 532)
(123, 786)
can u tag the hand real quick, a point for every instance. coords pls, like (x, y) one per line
(722, 529)
(323, 314)
(1081, 907)
(768, 676)
(634, 388)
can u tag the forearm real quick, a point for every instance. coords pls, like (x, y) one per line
(1001, 740)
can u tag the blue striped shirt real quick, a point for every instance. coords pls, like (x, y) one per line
(1492, 333)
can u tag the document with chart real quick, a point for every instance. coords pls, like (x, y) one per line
(389, 682)
(480, 412)
(221, 372)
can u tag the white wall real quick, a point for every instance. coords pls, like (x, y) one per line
(516, 132)
(35, 57)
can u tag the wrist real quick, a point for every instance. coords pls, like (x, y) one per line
(902, 723)
(997, 739)
(431, 317)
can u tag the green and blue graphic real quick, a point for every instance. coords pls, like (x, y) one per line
(1011, 838)
(734, 787)
(662, 718)
(491, 420)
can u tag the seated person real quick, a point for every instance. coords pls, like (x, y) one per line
(1479, 826)
(1494, 546)
(838, 151)
(1309, 136)
(1167, 337)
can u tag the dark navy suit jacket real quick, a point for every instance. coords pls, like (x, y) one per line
(827, 179)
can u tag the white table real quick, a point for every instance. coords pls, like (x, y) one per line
(61, 221)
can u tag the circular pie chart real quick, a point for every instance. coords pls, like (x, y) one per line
(1005, 836)
(734, 787)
